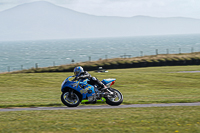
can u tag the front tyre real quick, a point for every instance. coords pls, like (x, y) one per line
(70, 99)
(115, 99)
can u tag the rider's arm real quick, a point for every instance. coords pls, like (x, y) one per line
(85, 75)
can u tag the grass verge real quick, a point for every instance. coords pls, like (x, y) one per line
(135, 120)
(138, 85)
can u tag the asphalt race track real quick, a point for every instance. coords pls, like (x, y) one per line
(100, 107)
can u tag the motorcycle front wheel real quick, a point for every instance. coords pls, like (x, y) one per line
(116, 99)
(70, 100)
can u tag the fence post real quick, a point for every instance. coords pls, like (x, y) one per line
(8, 68)
(36, 65)
(89, 58)
(167, 51)
(156, 51)
(192, 50)
(106, 56)
(179, 50)
(141, 53)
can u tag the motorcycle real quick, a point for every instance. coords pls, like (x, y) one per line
(75, 92)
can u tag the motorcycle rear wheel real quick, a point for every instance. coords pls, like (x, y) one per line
(72, 101)
(116, 100)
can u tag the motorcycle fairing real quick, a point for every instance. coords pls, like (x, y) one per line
(106, 81)
(82, 87)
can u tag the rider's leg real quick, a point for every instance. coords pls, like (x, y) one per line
(99, 83)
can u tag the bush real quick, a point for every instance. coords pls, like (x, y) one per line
(135, 61)
(196, 58)
(168, 59)
(162, 60)
(94, 66)
(149, 61)
(114, 63)
(181, 59)
(107, 64)
(155, 61)
(175, 59)
(128, 62)
(121, 62)
(187, 58)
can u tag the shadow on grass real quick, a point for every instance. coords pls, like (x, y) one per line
(31, 105)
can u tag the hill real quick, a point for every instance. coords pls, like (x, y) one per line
(43, 20)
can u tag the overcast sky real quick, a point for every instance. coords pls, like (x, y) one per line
(125, 8)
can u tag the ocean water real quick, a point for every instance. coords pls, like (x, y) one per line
(26, 54)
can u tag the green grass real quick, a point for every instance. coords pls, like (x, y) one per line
(133, 120)
(138, 85)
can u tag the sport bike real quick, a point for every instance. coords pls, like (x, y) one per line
(75, 92)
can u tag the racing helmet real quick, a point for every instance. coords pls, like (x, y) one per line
(78, 70)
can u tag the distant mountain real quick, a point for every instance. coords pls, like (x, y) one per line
(43, 20)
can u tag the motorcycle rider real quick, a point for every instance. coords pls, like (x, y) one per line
(79, 73)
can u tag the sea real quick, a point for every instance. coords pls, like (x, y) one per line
(19, 55)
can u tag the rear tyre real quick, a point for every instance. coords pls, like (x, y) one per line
(116, 99)
(72, 100)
